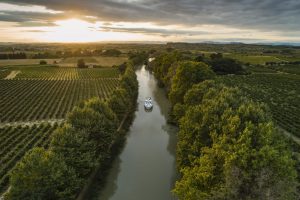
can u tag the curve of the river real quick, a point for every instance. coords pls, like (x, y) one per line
(145, 169)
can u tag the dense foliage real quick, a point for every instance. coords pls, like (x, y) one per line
(111, 52)
(178, 73)
(226, 66)
(164, 67)
(187, 74)
(20, 55)
(228, 148)
(41, 175)
(138, 58)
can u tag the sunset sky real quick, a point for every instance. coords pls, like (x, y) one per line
(150, 20)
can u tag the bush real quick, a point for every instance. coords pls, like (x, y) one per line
(43, 62)
(226, 66)
(81, 64)
(112, 52)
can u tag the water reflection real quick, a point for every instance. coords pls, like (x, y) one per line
(146, 167)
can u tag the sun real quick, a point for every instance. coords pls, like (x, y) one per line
(77, 30)
(73, 30)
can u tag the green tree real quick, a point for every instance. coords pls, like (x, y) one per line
(112, 52)
(202, 119)
(42, 174)
(194, 97)
(98, 121)
(226, 66)
(162, 67)
(255, 167)
(229, 149)
(187, 74)
(216, 56)
(119, 102)
(43, 62)
(76, 149)
(129, 82)
(81, 64)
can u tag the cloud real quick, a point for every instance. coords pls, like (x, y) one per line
(154, 31)
(266, 15)
(29, 17)
(275, 14)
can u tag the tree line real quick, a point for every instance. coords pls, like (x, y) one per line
(84, 143)
(228, 146)
(6, 56)
(61, 54)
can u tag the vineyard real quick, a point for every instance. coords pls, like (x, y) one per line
(27, 100)
(56, 73)
(42, 94)
(16, 141)
(253, 59)
(279, 91)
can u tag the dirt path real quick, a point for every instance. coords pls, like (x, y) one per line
(12, 75)
(31, 123)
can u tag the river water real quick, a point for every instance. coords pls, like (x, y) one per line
(145, 170)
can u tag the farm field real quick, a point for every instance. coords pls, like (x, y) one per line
(253, 59)
(36, 100)
(16, 141)
(97, 60)
(63, 73)
(279, 91)
(292, 69)
(15, 62)
(27, 100)
(67, 62)
(48, 92)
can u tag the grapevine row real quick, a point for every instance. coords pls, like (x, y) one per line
(56, 73)
(29, 100)
(279, 91)
(16, 142)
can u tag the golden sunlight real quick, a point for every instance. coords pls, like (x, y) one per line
(76, 30)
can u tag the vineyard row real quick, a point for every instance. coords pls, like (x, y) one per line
(30, 100)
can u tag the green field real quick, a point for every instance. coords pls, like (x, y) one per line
(16, 141)
(253, 59)
(63, 73)
(279, 91)
(291, 69)
(27, 100)
(38, 93)
(97, 60)
(67, 62)
(13, 62)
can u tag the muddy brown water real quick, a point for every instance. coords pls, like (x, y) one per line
(145, 169)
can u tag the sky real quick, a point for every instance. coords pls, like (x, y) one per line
(249, 21)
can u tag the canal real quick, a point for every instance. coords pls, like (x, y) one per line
(145, 169)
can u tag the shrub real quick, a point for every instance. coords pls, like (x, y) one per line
(81, 64)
